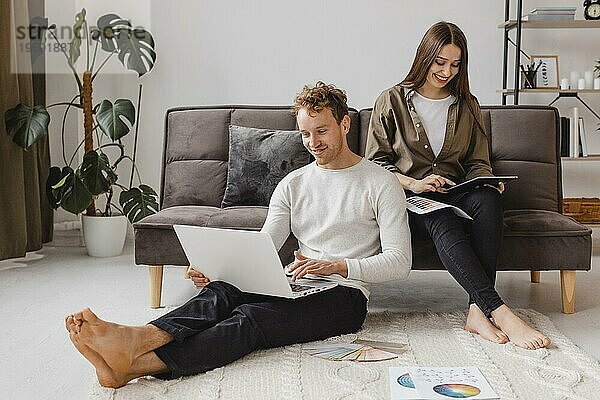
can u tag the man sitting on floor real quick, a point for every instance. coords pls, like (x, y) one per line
(351, 227)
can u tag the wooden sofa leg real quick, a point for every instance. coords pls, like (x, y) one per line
(535, 276)
(156, 277)
(567, 288)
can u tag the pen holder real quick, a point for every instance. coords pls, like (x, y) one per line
(528, 79)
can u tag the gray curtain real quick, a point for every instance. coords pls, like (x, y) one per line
(25, 217)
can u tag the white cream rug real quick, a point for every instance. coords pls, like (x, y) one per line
(434, 339)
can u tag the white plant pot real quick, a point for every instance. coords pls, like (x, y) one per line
(104, 236)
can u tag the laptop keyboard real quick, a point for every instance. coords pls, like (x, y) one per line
(299, 288)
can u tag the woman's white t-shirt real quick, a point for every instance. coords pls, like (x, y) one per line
(434, 116)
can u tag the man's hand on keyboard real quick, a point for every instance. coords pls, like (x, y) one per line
(197, 277)
(305, 265)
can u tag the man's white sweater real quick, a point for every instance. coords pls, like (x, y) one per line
(357, 214)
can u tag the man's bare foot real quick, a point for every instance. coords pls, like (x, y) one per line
(478, 323)
(107, 377)
(116, 344)
(517, 330)
(72, 324)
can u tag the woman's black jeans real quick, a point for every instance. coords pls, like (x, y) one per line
(222, 324)
(468, 249)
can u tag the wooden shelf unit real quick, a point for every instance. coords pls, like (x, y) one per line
(593, 157)
(519, 25)
(510, 90)
(550, 24)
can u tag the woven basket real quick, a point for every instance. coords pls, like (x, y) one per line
(584, 210)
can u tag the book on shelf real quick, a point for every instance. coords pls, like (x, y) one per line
(574, 133)
(550, 13)
(583, 150)
(573, 140)
(576, 136)
(548, 17)
(541, 10)
(565, 140)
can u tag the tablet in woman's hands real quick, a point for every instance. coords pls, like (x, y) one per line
(479, 181)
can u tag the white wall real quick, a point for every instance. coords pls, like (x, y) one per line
(264, 51)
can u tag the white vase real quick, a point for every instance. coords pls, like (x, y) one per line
(104, 236)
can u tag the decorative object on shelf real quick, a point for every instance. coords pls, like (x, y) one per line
(547, 71)
(589, 79)
(581, 84)
(574, 79)
(78, 184)
(528, 76)
(597, 84)
(564, 84)
(591, 9)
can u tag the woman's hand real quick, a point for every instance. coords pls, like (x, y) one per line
(305, 265)
(197, 277)
(431, 183)
(499, 188)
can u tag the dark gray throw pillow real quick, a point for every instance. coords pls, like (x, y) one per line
(258, 160)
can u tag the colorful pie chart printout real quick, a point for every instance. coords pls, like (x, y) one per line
(401, 385)
(457, 390)
(412, 383)
(406, 381)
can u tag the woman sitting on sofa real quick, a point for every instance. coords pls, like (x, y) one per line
(428, 131)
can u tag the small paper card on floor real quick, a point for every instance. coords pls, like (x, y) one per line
(451, 382)
(392, 347)
(348, 352)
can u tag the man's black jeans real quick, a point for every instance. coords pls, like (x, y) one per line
(468, 249)
(222, 324)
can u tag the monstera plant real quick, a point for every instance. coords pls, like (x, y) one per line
(77, 185)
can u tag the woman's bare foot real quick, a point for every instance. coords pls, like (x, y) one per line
(517, 330)
(478, 323)
(107, 377)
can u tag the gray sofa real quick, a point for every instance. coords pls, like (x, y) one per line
(524, 140)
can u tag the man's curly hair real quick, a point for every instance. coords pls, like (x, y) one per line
(322, 96)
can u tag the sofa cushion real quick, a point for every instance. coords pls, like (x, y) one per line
(156, 242)
(258, 160)
(541, 223)
(529, 236)
(247, 217)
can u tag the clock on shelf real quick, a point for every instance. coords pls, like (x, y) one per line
(591, 9)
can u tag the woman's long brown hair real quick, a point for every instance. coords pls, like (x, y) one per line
(436, 37)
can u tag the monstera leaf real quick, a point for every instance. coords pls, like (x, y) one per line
(111, 117)
(54, 195)
(75, 47)
(136, 50)
(69, 192)
(96, 173)
(107, 29)
(26, 125)
(139, 202)
(134, 45)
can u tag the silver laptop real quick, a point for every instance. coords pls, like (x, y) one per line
(245, 259)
